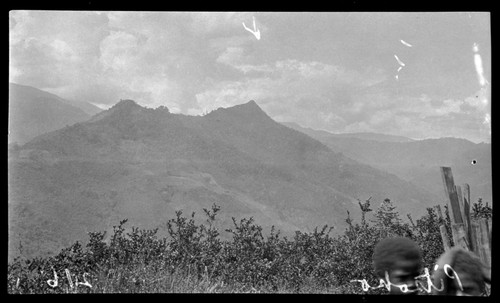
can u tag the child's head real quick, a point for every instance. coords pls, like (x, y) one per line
(401, 259)
(466, 274)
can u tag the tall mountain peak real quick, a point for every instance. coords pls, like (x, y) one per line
(126, 104)
(248, 111)
(249, 106)
(252, 103)
(121, 108)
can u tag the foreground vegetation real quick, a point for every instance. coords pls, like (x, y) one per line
(195, 259)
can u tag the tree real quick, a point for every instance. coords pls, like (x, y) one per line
(480, 211)
(388, 222)
(365, 208)
(428, 236)
(163, 108)
(386, 216)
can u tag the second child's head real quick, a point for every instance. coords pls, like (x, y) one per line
(401, 258)
(465, 276)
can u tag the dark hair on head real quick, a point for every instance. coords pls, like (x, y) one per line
(390, 250)
(461, 261)
(469, 263)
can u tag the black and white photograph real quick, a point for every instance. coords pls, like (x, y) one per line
(238, 152)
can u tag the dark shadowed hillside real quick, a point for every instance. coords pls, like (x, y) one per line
(419, 161)
(33, 112)
(144, 164)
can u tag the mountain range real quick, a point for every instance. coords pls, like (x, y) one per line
(33, 112)
(361, 135)
(416, 161)
(144, 164)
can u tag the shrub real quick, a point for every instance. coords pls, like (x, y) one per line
(194, 258)
(480, 211)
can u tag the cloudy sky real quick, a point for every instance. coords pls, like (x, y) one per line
(420, 75)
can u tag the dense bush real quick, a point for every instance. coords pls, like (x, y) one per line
(195, 259)
(480, 211)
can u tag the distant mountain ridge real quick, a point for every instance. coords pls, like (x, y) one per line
(144, 164)
(33, 112)
(419, 161)
(360, 135)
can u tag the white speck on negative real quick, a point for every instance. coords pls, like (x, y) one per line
(255, 31)
(406, 43)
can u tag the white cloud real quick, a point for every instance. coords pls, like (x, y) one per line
(262, 68)
(62, 51)
(232, 56)
(421, 107)
(314, 69)
(331, 119)
(44, 64)
(102, 106)
(417, 117)
(219, 44)
(119, 51)
(227, 94)
(168, 58)
(290, 82)
(380, 117)
(449, 106)
(479, 100)
(487, 119)
(20, 22)
(50, 50)
(361, 126)
(99, 57)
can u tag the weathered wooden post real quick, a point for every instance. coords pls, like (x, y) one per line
(451, 192)
(460, 236)
(476, 243)
(458, 229)
(444, 237)
(485, 246)
(438, 211)
(460, 202)
(489, 229)
(466, 199)
(442, 229)
(474, 236)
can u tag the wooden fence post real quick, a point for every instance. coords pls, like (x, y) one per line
(485, 242)
(466, 199)
(467, 234)
(475, 241)
(460, 202)
(438, 211)
(489, 229)
(444, 237)
(451, 194)
(460, 236)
